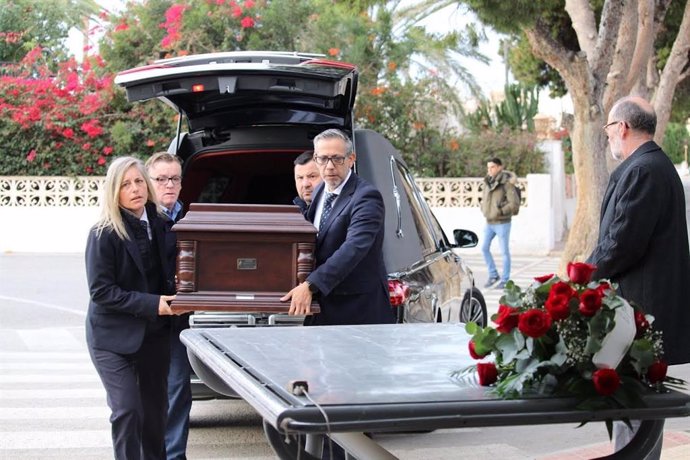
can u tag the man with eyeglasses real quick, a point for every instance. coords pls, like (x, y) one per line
(349, 279)
(165, 171)
(643, 237)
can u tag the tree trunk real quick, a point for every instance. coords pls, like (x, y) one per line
(591, 177)
(670, 76)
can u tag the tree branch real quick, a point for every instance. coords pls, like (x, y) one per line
(584, 24)
(644, 44)
(670, 76)
(603, 57)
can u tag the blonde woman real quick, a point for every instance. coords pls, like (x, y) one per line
(127, 324)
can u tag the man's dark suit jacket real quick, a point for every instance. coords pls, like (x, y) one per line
(643, 244)
(120, 306)
(350, 273)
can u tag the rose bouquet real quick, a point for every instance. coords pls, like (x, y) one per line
(570, 337)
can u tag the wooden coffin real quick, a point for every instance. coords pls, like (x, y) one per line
(241, 258)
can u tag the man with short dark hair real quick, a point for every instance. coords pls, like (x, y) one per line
(165, 171)
(643, 237)
(500, 201)
(307, 178)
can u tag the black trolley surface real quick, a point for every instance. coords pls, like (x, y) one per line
(379, 378)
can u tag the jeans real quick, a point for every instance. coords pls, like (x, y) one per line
(179, 393)
(503, 233)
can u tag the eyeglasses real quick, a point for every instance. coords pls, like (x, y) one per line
(611, 123)
(336, 160)
(162, 180)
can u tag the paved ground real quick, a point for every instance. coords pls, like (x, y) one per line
(524, 269)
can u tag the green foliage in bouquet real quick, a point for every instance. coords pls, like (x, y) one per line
(573, 337)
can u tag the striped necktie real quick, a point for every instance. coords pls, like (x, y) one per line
(327, 208)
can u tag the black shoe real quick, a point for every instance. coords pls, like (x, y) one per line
(493, 280)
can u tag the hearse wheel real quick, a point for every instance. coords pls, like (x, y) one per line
(473, 308)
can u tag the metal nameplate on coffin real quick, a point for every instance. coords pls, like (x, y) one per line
(246, 264)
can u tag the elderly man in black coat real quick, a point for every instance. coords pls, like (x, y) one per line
(643, 237)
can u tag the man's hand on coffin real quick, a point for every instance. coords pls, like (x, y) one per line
(300, 299)
(164, 305)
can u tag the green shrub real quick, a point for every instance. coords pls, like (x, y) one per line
(676, 141)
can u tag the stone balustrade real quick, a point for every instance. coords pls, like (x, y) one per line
(453, 192)
(54, 214)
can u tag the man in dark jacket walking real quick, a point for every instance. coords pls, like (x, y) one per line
(500, 202)
(643, 237)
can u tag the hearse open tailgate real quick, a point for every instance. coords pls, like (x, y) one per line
(377, 378)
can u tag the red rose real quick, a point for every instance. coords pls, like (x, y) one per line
(580, 273)
(534, 323)
(657, 372)
(603, 287)
(507, 319)
(606, 381)
(590, 302)
(544, 278)
(557, 306)
(641, 324)
(562, 288)
(473, 352)
(487, 373)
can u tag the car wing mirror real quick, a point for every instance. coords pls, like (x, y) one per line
(465, 238)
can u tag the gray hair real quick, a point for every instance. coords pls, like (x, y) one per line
(631, 112)
(335, 134)
(164, 157)
(110, 217)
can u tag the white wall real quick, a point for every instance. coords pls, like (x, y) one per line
(45, 229)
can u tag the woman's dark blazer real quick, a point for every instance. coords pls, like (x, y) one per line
(121, 306)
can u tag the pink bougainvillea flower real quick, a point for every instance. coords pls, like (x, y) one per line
(150, 143)
(248, 3)
(31, 156)
(247, 22)
(101, 160)
(107, 150)
(92, 128)
(236, 12)
(68, 133)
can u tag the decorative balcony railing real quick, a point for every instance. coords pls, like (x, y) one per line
(459, 192)
(50, 191)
